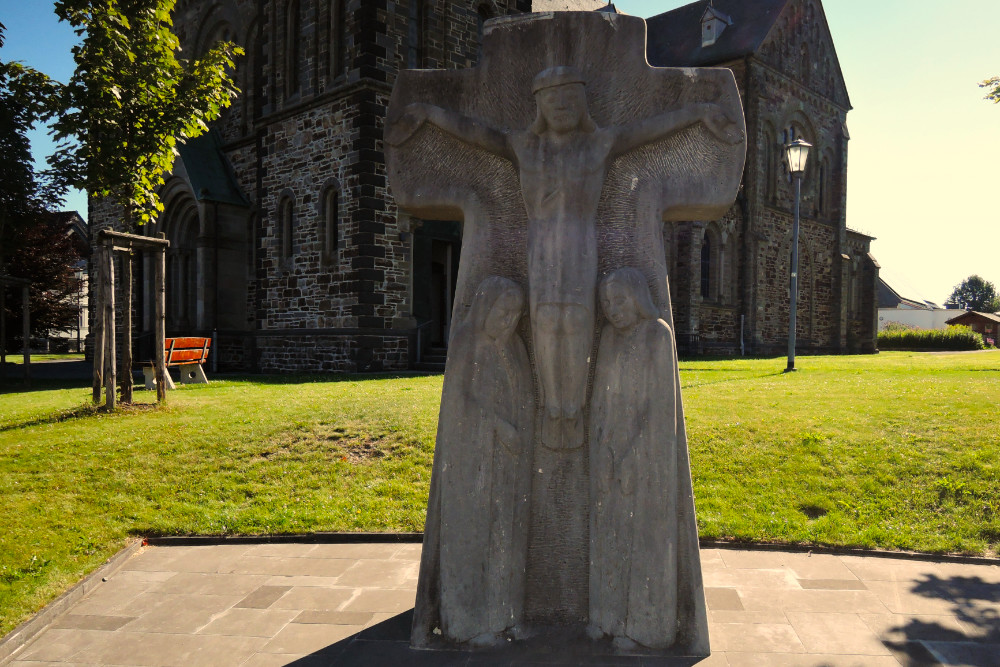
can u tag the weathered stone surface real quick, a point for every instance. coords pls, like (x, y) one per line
(644, 586)
(562, 153)
(483, 471)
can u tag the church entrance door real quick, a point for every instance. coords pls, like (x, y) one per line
(437, 247)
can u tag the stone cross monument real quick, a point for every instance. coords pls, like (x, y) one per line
(561, 495)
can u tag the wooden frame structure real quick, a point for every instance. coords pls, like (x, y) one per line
(25, 284)
(104, 325)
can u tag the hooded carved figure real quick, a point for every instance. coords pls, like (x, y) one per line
(475, 543)
(645, 586)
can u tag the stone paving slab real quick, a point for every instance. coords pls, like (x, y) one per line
(263, 605)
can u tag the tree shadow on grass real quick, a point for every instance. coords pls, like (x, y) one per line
(80, 412)
(314, 378)
(973, 641)
(17, 386)
(745, 378)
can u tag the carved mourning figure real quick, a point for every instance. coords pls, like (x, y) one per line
(640, 482)
(562, 160)
(562, 153)
(479, 496)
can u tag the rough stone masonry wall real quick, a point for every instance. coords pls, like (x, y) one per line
(818, 320)
(719, 327)
(332, 353)
(817, 308)
(308, 144)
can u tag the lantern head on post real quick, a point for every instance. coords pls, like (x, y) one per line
(797, 152)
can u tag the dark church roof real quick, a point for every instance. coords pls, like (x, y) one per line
(674, 37)
(212, 177)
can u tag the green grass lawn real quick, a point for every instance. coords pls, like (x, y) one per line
(898, 451)
(18, 358)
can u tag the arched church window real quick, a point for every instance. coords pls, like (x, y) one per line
(770, 163)
(415, 35)
(821, 194)
(338, 37)
(286, 222)
(330, 224)
(292, 48)
(706, 267)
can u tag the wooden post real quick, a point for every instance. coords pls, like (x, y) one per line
(160, 326)
(3, 331)
(97, 321)
(110, 351)
(26, 310)
(126, 369)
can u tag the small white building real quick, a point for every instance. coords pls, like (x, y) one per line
(899, 302)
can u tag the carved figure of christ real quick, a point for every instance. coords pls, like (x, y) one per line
(562, 160)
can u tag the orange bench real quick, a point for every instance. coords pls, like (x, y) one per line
(188, 354)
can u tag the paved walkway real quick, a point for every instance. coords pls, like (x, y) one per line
(347, 604)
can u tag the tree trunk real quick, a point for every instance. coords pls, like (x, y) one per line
(159, 278)
(3, 332)
(26, 310)
(110, 351)
(97, 322)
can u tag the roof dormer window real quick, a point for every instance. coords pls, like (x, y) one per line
(713, 22)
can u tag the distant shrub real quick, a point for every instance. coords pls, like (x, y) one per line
(900, 326)
(903, 337)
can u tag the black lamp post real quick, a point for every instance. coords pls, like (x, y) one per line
(797, 153)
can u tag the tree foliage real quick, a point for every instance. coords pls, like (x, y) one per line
(26, 96)
(993, 86)
(975, 293)
(48, 256)
(132, 98)
(33, 242)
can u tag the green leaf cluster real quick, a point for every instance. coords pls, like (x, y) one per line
(132, 98)
(993, 86)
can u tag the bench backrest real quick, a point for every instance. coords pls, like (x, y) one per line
(187, 350)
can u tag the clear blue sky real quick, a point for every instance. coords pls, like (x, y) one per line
(922, 174)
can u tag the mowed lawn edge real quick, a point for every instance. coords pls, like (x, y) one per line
(893, 451)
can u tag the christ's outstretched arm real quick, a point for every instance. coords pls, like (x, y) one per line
(464, 128)
(629, 137)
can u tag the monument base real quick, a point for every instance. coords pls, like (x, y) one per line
(388, 643)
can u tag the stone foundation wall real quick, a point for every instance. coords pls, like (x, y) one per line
(719, 328)
(314, 353)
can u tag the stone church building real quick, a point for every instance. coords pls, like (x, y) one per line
(287, 248)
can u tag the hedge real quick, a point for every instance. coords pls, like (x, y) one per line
(900, 337)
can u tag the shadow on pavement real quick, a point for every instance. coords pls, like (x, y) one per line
(921, 641)
(387, 643)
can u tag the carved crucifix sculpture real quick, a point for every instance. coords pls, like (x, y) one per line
(562, 153)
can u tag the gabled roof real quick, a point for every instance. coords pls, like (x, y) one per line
(894, 291)
(989, 316)
(211, 175)
(675, 36)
